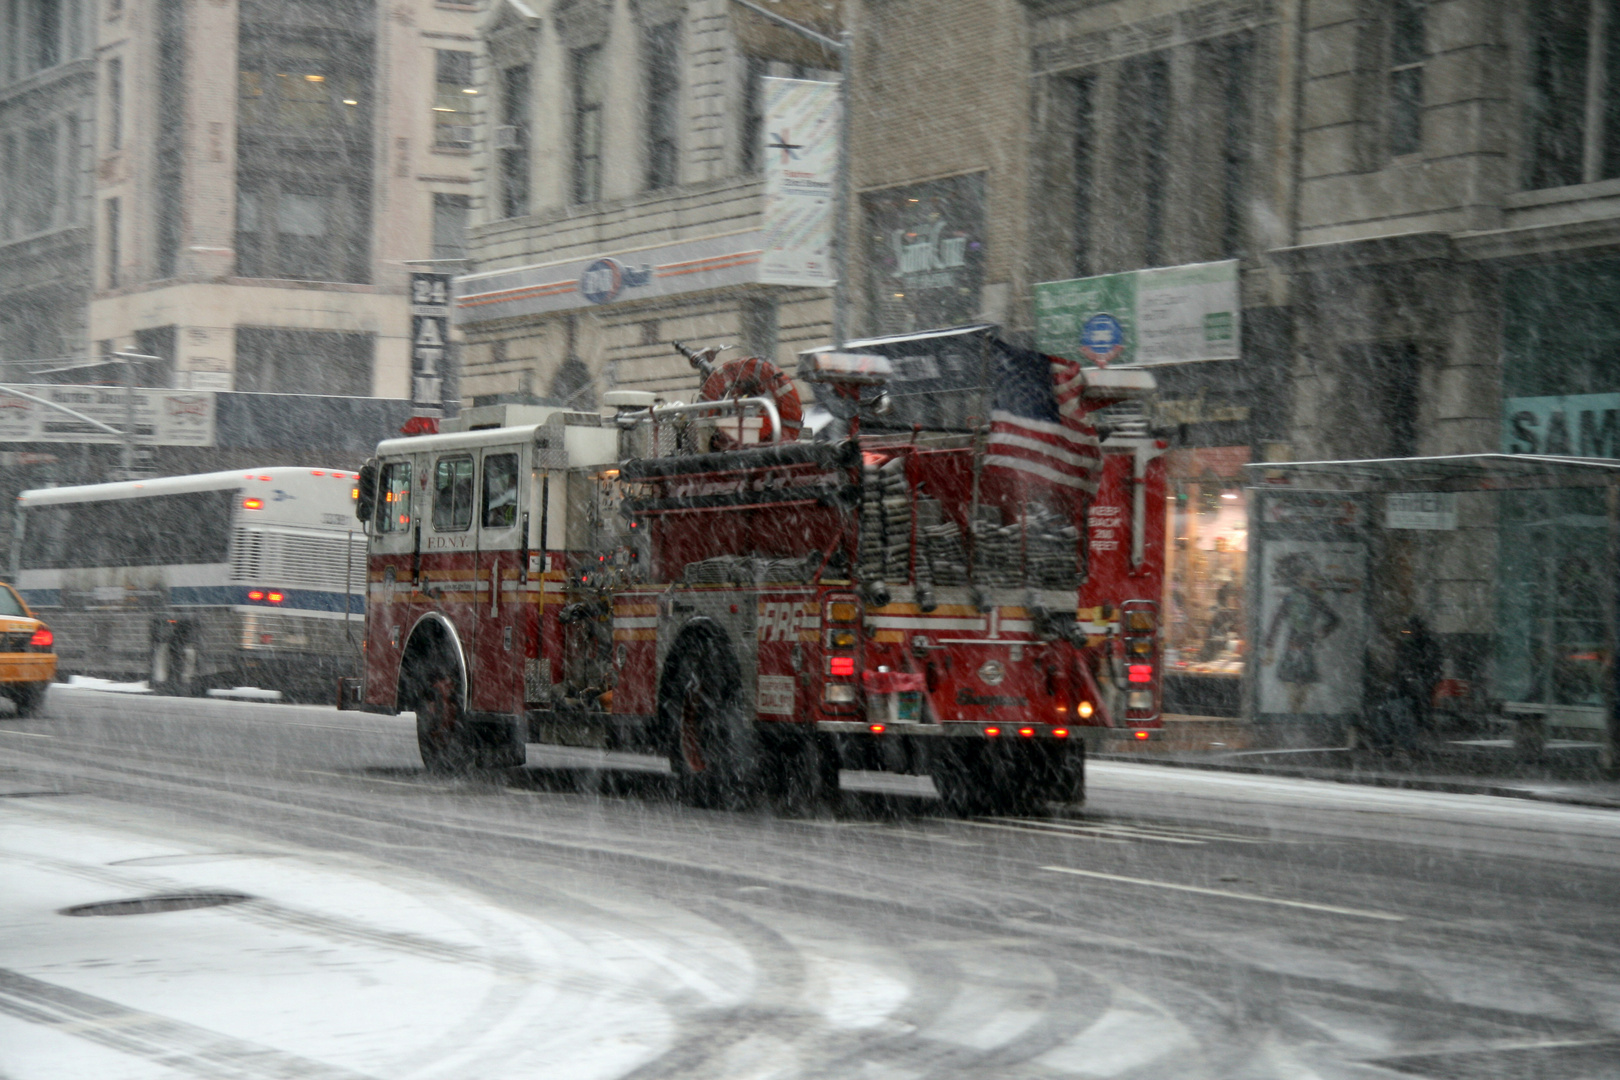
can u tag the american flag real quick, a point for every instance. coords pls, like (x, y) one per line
(1038, 423)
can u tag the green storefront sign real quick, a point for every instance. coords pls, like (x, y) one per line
(1166, 315)
(1568, 425)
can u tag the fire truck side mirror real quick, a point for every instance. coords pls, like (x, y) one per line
(366, 492)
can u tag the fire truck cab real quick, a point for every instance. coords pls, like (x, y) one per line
(685, 579)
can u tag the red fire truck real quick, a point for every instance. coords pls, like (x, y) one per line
(762, 605)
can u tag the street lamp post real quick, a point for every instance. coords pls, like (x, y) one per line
(129, 360)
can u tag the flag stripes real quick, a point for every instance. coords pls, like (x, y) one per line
(1038, 425)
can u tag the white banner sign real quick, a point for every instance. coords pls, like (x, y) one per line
(162, 417)
(801, 167)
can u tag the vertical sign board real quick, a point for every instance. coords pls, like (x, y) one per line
(430, 341)
(801, 169)
(1167, 315)
(1308, 581)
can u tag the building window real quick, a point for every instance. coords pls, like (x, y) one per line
(450, 216)
(298, 230)
(661, 49)
(47, 33)
(171, 134)
(753, 113)
(273, 360)
(39, 180)
(1236, 61)
(114, 253)
(587, 86)
(304, 150)
(1407, 51)
(115, 103)
(453, 100)
(759, 326)
(158, 341)
(513, 141)
(1085, 173)
(1572, 119)
(1144, 131)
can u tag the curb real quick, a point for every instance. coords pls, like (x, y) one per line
(1413, 783)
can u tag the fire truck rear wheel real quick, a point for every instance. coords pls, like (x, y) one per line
(801, 774)
(713, 747)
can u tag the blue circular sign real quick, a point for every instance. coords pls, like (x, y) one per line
(1101, 338)
(602, 281)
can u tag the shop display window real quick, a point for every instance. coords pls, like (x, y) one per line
(1207, 551)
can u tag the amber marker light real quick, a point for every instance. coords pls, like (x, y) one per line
(275, 598)
(1085, 710)
(253, 504)
(256, 594)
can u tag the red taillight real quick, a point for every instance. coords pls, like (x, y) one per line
(1060, 733)
(841, 667)
(1027, 732)
(43, 638)
(275, 598)
(253, 504)
(256, 594)
(1142, 735)
(317, 472)
(992, 731)
(1140, 673)
(877, 729)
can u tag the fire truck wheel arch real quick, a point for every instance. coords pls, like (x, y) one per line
(713, 747)
(433, 634)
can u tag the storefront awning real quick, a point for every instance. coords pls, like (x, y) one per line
(1456, 472)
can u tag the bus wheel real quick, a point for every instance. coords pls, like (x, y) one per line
(442, 732)
(713, 748)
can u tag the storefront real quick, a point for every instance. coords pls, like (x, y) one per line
(1356, 562)
(1206, 554)
(1561, 396)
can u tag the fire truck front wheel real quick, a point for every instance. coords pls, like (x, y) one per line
(713, 746)
(442, 733)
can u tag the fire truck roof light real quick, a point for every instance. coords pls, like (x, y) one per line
(253, 504)
(1141, 673)
(992, 731)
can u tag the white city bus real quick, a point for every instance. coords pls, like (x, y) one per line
(251, 578)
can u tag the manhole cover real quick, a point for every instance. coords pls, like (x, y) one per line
(151, 905)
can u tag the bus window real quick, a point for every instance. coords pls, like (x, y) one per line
(500, 491)
(394, 497)
(452, 494)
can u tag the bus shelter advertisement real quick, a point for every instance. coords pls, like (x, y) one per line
(162, 417)
(1312, 627)
(1168, 315)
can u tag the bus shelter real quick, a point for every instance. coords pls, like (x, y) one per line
(1467, 598)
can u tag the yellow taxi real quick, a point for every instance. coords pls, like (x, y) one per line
(27, 653)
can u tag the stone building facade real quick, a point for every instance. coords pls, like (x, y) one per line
(239, 187)
(47, 121)
(620, 141)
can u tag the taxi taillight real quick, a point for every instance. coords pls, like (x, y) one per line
(42, 639)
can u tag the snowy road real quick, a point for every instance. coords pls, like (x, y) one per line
(569, 920)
